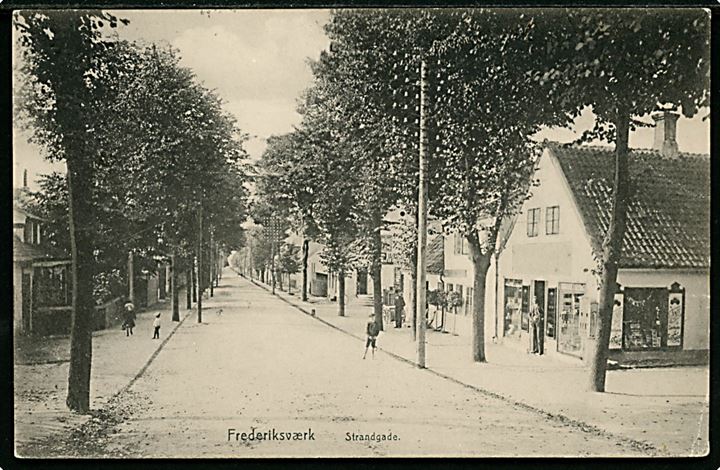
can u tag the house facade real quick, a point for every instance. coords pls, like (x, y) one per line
(551, 257)
(549, 252)
(41, 279)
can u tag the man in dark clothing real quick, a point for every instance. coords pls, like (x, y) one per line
(372, 331)
(399, 307)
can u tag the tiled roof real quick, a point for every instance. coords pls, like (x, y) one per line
(436, 255)
(668, 224)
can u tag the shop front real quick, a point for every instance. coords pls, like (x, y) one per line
(569, 338)
(649, 318)
(565, 312)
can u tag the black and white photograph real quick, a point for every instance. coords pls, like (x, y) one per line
(361, 232)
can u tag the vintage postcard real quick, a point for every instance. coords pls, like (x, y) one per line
(466, 232)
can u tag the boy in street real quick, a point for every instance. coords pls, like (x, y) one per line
(372, 331)
(156, 325)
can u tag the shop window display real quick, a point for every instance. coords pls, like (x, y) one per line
(645, 318)
(513, 299)
(569, 337)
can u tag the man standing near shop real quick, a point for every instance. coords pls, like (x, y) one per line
(399, 307)
(537, 324)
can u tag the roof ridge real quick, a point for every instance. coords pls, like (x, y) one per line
(610, 148)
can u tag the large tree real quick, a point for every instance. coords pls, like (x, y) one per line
(140, 139)
(480, 112)
(624, 64)
(355, 73)
(70, 70)
(287, 175)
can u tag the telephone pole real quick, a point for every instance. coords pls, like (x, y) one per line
(131, 277)
(199, 266)
(421, 293)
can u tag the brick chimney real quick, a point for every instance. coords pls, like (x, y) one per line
(665, 140)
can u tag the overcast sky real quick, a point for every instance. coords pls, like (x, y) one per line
(256, 60)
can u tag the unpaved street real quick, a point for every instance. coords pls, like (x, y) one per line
(262, 364)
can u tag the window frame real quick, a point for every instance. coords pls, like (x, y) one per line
(552, 223)
(533, 221)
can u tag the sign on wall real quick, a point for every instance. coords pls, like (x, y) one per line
(676, 301)
(616, 322)
(551, 312)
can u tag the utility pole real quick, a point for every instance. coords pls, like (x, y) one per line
(199, 267)
(422, 225)
(131, 277)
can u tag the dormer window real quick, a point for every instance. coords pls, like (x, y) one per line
(533, 222)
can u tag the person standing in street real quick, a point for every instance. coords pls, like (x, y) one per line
(372, 329)
(399, 308)
(128, 318)
(156, 326)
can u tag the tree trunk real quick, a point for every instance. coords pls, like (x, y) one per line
(200, 266)
(376, 267)
(193, 275)
(612, 248)
(174, 294)
(341, 294)
(162, 281)
(481, 264)
(305, 253)
(81, 246)
(188, 289)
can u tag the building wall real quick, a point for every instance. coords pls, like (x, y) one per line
(17, 298)
(565, 257)
(458, 271)
(152, 289)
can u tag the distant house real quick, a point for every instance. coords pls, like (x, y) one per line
(434, 269)
(551, 254)
(41, 279)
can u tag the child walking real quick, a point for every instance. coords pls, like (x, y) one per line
(372, 330)
(156, 325)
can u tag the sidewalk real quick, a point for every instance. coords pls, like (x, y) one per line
(41, 383)
(666, 408)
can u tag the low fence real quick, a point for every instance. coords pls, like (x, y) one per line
(57, 320)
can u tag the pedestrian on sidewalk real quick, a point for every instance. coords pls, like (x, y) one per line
(540, 332)
(533, 319)
(156, 325)
(128, 317)
(399, 308)
(372, 331)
